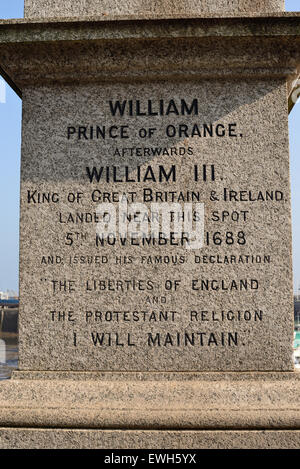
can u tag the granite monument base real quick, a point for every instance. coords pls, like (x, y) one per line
(240, 71)
(150, 410)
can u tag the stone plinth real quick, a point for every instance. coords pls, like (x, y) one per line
(161, 410)
(229, 312)
(120, 334)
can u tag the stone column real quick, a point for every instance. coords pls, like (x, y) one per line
(187, 332)
(165, 8)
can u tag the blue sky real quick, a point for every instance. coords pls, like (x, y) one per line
(10, 142)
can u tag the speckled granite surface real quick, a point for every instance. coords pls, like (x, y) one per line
(160, 401)
(22, 438)
(70, 8)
